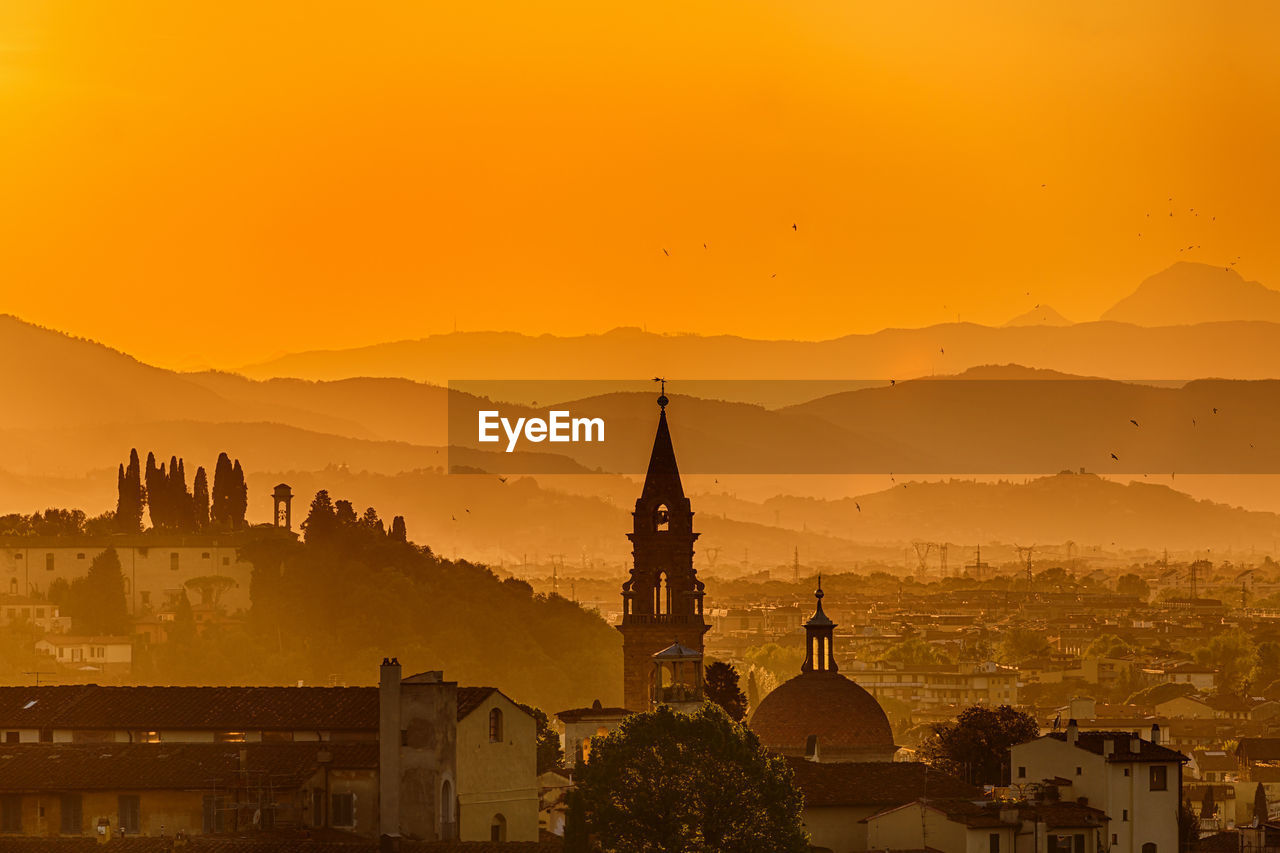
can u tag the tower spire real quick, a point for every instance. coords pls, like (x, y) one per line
(663, 475)
(819, 631)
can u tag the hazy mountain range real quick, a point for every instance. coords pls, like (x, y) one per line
(77, 407)
(1189, 321)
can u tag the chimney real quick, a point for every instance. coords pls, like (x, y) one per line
(389, 748)
(1135, 743)
(1155, 733)
(1073, 732)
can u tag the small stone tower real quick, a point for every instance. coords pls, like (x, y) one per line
(282, 499)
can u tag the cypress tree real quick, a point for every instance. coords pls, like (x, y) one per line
(200, 500)
(220, 508)
(155, 492)
(239, 496)
(398, 532)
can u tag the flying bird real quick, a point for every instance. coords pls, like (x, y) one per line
(665, 252)
(1117, 458)
(858, 505)
(793, 227)
(892, 382)
(453, 518)
(502, 479)
(704, 245)
(775, 275)
(1132, 421)
(1215, 410)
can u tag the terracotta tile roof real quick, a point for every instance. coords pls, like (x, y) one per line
(1095, 742)
(152, 766)
(874, 783)
(470, 698)
(223, 708)
(573, 715)
(1258, 748)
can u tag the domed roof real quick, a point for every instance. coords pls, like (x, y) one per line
(844, 717)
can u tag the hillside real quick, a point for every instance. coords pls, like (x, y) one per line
(1189, 293)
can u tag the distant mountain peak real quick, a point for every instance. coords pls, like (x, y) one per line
(1188, 293)
(1041, 315)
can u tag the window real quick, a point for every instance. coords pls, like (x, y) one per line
(11, 813)
(1149, 847)
(226, 561)
(1159, 777)
(1124, 815)
(146, 598)
(1126, 771)
(148, 737)
(342, 810)
(11, 737)
(80, 556)
(1022, 772)
(993, 842)
(204, 555)
(1079, 771)
(498, 828)
(495, 726)
(130, 813)
(48, 562)
(173, 561)
(72, 821)
(228, 737)
(46, 735)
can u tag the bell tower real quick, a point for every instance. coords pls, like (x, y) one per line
(662, 601)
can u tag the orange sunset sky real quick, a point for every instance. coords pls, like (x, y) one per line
(212, 183)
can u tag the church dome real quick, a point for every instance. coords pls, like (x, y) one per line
(820, 714)
(823, 715)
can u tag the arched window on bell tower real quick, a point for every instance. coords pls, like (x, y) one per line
(661, 519)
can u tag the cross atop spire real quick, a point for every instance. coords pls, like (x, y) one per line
(662, 393)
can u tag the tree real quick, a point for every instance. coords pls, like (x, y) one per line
(698, 783)
(130, 495)
(550, 753)
(976, 745)
(1260, 808)
(200, 500)
(398, 531)
(239, 496)
(1131, 584)
(1022, 643)
(220, 511)
(320, 520)
(781, 661)
(1108, 646)
(914, 651)
(722, 688)
(1266, 663)
(96, 602)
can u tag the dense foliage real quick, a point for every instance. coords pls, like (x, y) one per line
(697, 783)
(976, 746)
(329, 608)
(721, 682)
